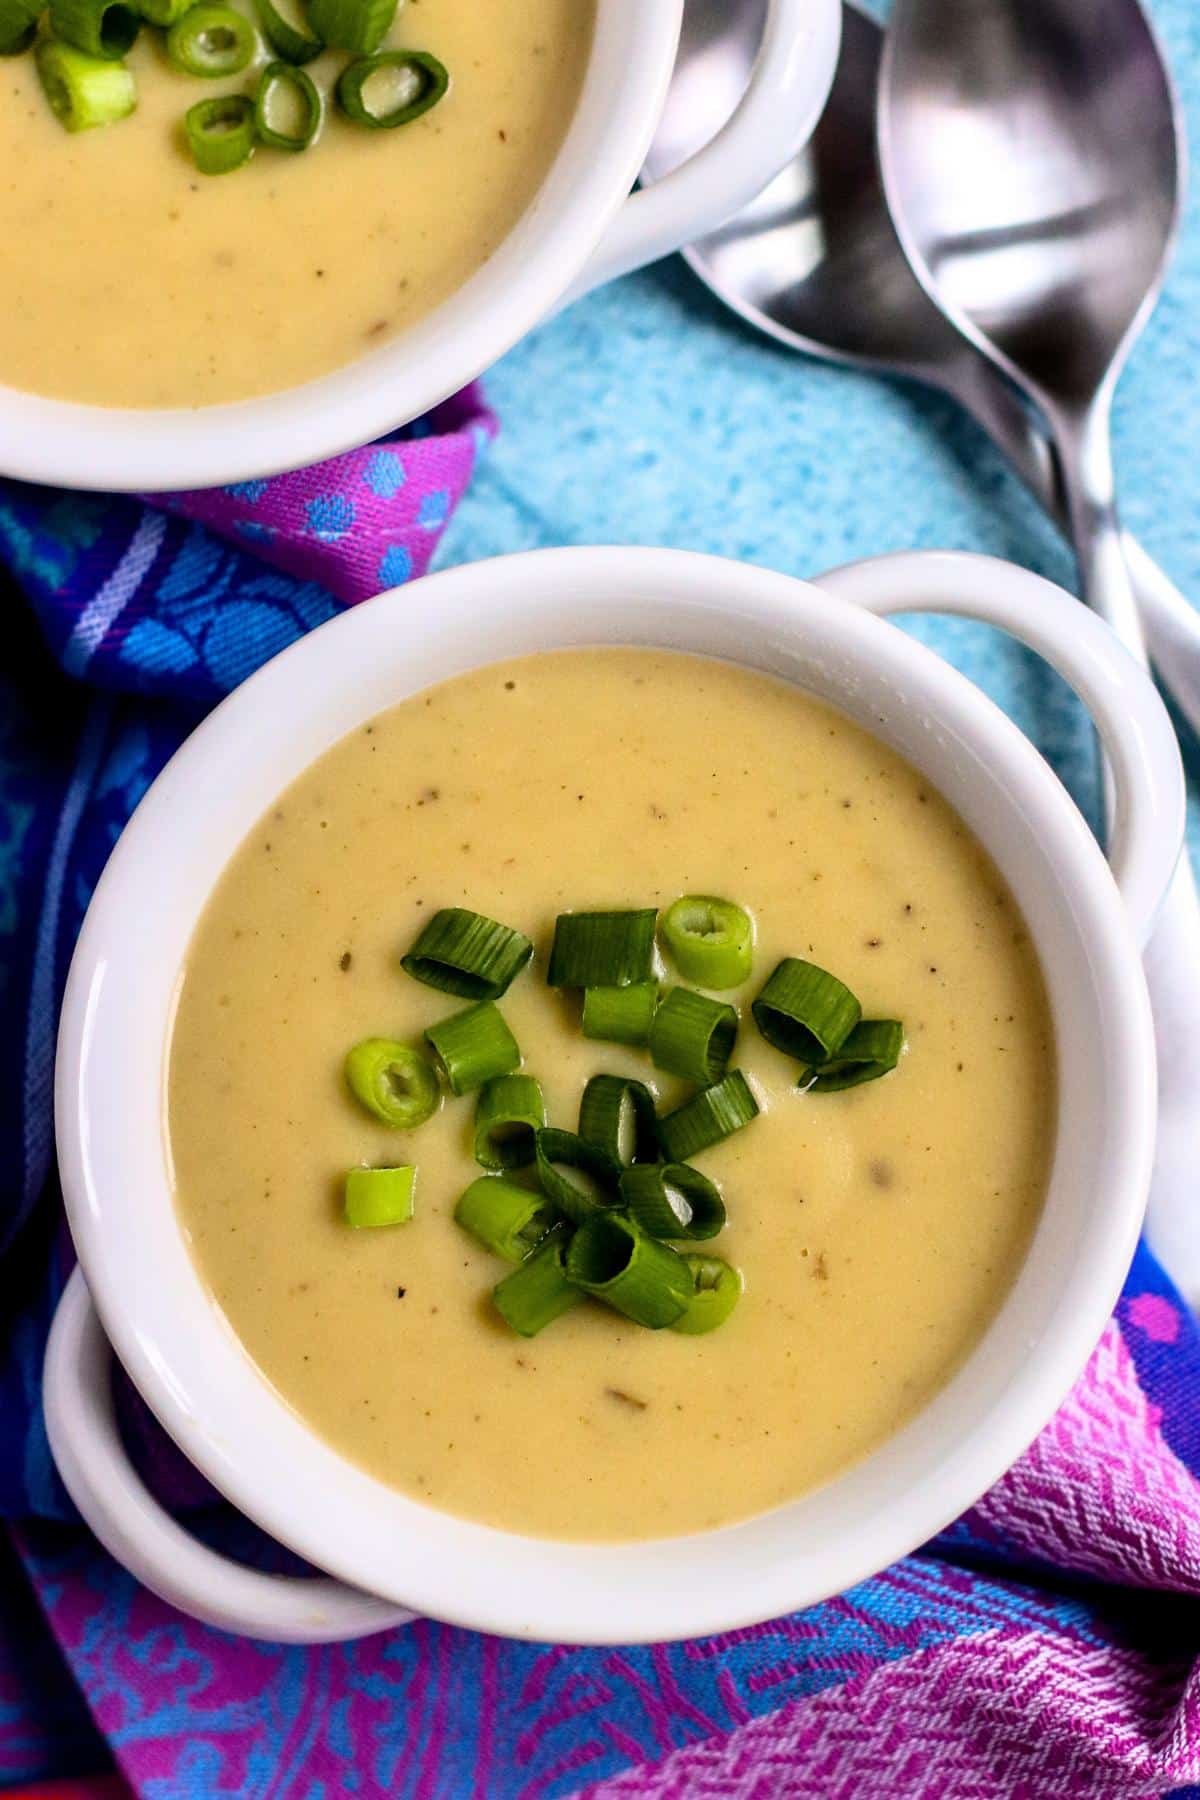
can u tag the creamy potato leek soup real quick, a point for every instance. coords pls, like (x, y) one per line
(249, 195)
(609, 1093)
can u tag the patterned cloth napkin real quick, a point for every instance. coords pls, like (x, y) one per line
(1044, 1648)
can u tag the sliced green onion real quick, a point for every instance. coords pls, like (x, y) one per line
(669, 1200)
(161, 12)
(463, 953)
(693, 1036)
(602, 949)
(380, 1196)
(212, 42)
(716, 1290)
(473, 1045)
(539, 1292)
(508, 1219)
(357, 25)
(83, 90)
(872, 1049)
(707, 1118)
(613, 1261)
(392, 88)
(805, 1011)
(103, 28)
(710, 941)
(291, 39)
(220, 133)
(509, 1113)
(620, 1015)
(617, 1115)
(393, 1082)
(288, 96)
(18, 25)
(578, 1177)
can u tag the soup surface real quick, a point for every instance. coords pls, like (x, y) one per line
(877, 1229)
(127, 278)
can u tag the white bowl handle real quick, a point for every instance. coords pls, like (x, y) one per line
(1146, 834)
(775, 119)
(82, 1427)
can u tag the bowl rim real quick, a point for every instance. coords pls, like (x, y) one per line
(167, 449)
(451, 1568)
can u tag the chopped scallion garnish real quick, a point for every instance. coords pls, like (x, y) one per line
(18, 25)
(83, 90)
(707, 1118)
(380, 1196)
(391, 88)
(506, 1218)
(393, 1082)
(287, 108)
(473, 1045)
(289, 37)
(710, 941)
(620, 1015)
(611, 1259)
(872, 1049)
(617, 1115)
(220, 133)
(465, 953)
(578, 1177)
(509, 1113)
(102, 28)
(692, 1035)
(355, 25)
(538, 1292)
(805, 1011)
(212, 42)
(602, 949)
(670, 1200)
(716, 1290)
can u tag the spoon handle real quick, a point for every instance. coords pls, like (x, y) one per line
(1170, 625)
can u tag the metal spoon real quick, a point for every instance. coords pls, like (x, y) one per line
(816, 263)
(1030, 151)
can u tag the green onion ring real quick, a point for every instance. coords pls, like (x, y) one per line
(212, 42)
(355, 25)
(505, 1218)
(103, 28)
(617, 1115)
(509, 1113)
(428, 84)
(274, 80)
(641, 1277)
(671, 1200)
(710, 941)
(716, 1290)
(294, 43)
(83, 90)
(602, 949)
(620, 1015)
(538, 1292)
(578, 1177)
(220, 133)
(380, 1196)
(392, 1081)
(18, 25)
(804, 1011)
(463, 952)
(710, 1116)
(693, 1036)
(473, 1045)
(872, 1049)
